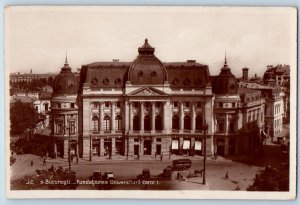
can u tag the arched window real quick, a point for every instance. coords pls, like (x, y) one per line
(95, 123)
(118, 122)
(175, 122)
(199, 122)
(158, 124)
(187, 122)
(136, 123)
(106, 122)
(147, 123)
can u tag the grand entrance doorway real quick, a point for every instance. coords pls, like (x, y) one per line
(96, 147)
(107, 147)
(136, 149)
(147, 147)
(119, 146)
(158, 149)
(221, 147)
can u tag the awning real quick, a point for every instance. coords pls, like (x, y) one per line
(186, 144)
(198, 145)
(174, 144)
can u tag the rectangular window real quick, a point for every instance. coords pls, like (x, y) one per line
(232, 104)
(147, 104)
(59, 105)
(220, 104)
(187, 104)
(135, 104)
(158, 139)
(175, 104)
(118, 104)
(72, 127)
(72, 105)
(136, 139)
(158, 104)
(106, 104)
(221, 125)
(59, 128)
(199, 105)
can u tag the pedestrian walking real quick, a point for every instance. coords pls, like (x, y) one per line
(44, 161)
(31, 163)
(161, 157)
(76, 159)
(226, 175)
(155, 155)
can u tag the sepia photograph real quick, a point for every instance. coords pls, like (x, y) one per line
(150, 102)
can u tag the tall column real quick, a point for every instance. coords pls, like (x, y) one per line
(181, 125)
(167, 118)
(113, 145)
(153, 117)
(112, 117)
(141, 146)
(193, 117)
(101, 116)
(226, 124)
(130, 117)
(126, 119)
(142, 116)
(226, 146)
(102, 147)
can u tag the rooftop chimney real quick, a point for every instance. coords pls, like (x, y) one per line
(245, 73)
(191, 61)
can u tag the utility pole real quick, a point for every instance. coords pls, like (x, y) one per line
(69, 148)
(90, 146)
(204, 155)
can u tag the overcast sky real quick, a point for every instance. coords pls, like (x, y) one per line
(37, 39)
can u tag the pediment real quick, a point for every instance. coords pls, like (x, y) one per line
(147, 91)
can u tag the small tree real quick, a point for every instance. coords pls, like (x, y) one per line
(22, 117)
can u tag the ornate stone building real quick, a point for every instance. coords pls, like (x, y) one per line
(148, 107)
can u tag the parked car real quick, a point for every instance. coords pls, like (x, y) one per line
(145, 174)
(181, 164)
(96, 176)
(108, 175)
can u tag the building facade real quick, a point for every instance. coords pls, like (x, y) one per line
(148, 108)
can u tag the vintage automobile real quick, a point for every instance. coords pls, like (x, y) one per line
(145, 174)
(96, 176)
(181, 164)
(108, 175)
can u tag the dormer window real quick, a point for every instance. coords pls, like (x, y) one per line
(186, 82)
(141, 74)
(94, 81)
(175, 81)
(153, 74)
(118, 81)
(106, 81)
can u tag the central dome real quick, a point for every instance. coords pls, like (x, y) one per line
(65, 82)
(225, 82)
(147, 68)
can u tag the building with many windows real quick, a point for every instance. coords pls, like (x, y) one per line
(148, 107)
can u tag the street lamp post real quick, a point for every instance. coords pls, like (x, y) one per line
(204, 155)
(90, 158)
(69, 149)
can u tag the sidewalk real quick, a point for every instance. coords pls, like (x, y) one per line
(97, 159)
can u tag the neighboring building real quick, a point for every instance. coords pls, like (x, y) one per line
(234, 110)
(279, 73)
(28, 77)
(147, 107)
(42, 104)
(64, 112)
(275, 106)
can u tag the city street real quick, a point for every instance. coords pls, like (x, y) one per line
(240, 175)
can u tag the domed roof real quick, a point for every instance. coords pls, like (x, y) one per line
(225, 82)
(147, 68)
(65, 82)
